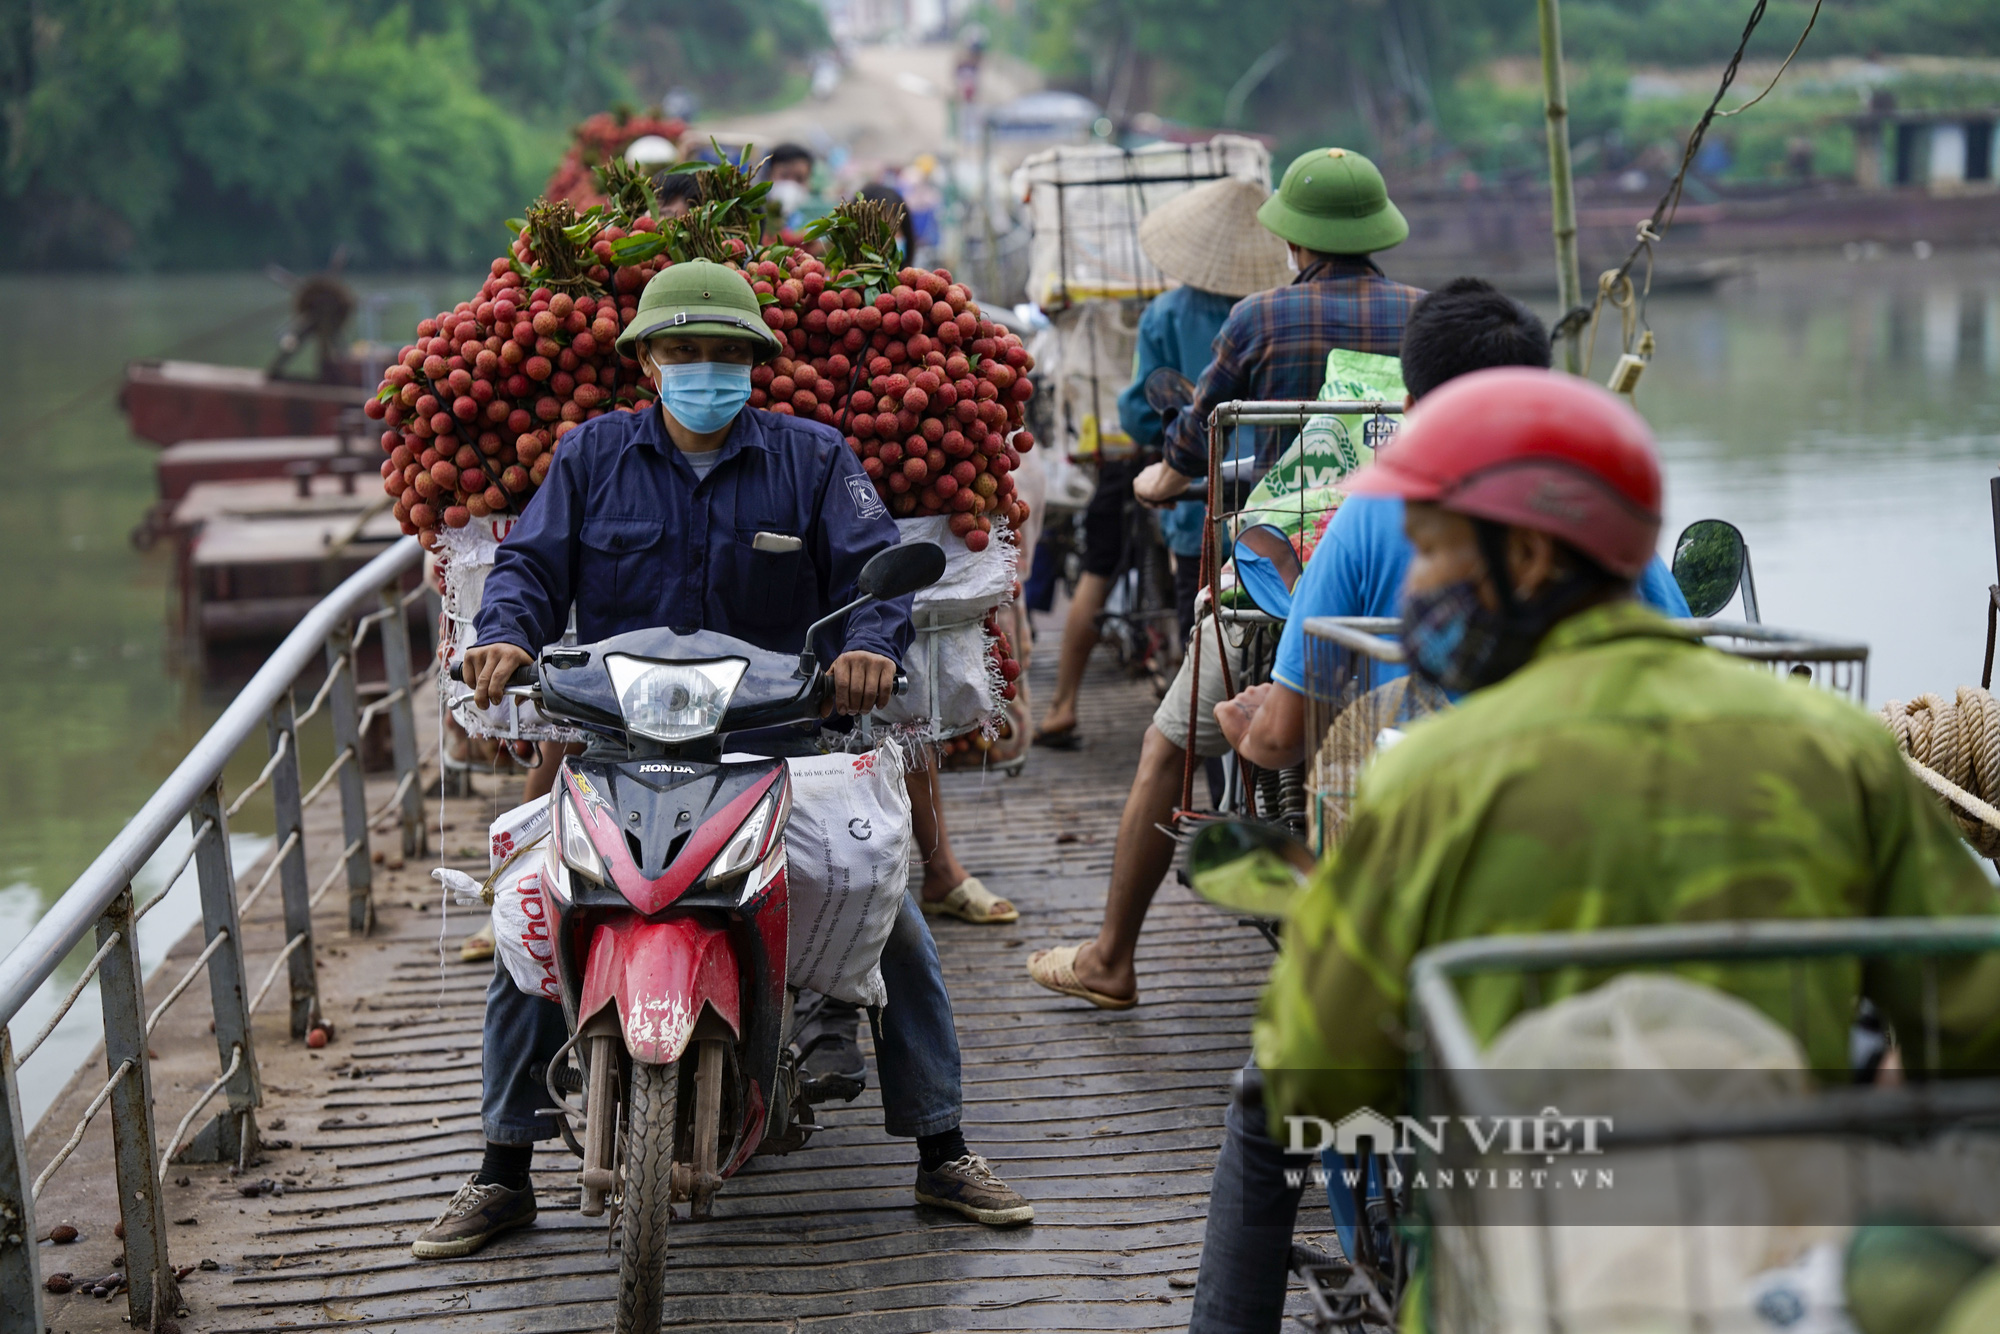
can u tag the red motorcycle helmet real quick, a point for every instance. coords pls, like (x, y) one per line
(1531, 449)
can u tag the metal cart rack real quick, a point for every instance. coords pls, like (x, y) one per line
(1855, 1152)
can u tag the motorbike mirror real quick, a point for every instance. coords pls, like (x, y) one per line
(894, 571)
(1167, 391)
(1268, 568)
(889, 573)
(1247, 867)
(1709, 557)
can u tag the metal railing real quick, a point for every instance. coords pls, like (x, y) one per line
(101, 901)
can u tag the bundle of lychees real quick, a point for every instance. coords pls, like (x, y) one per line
(928, 393)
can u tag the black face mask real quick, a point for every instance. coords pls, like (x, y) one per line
(1452, 639)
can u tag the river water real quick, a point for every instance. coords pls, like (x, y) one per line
(1843, 415)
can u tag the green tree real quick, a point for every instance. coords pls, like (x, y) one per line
(232, 132)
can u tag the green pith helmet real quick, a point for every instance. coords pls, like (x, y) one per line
(1333, 201)
(699, 297)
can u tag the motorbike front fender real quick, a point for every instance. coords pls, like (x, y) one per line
(660, 975)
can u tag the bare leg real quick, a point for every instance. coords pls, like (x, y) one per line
(1079, 638)
(942, 872)
(542, 778)
(1138, 864)
(1024, 647)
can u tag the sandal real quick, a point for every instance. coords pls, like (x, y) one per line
(1056, 970)
(1066, 739)
(972, 902)
(478, 946)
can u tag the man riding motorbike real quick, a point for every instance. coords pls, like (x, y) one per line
(1605, 770)
(696, 514)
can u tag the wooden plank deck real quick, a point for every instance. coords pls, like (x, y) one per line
(1108, 1122)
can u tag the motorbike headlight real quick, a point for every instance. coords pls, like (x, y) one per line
(579, 854)
(673, 701)
(755, 836)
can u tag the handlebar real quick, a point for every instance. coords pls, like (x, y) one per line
(527, 674)
(1237, 474)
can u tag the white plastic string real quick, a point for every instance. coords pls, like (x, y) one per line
(444, 893)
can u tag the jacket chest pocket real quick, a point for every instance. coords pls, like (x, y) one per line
(769, 590)
(621, 571)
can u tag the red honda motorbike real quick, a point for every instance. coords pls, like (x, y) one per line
(666, 888)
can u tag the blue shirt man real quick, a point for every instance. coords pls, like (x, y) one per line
(1357, 570)
(631, 532)
(1178, 329)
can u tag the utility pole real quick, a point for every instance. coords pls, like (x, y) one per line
(1562, 197)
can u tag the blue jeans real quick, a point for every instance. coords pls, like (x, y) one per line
(916, 1045)
(1246, 1245)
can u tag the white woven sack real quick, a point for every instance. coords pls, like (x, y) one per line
(1694, 1049)
(466, 557)
(1084, 360)
(973, 583)
(847, 860)
(522, 931)
(954, 687)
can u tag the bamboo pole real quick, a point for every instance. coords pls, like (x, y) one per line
(1562, 198)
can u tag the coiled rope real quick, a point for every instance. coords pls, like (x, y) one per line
(1954, 747)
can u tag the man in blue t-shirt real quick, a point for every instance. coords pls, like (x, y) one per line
(1357, 569)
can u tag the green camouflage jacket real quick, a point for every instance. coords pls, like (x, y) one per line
(1627, 776)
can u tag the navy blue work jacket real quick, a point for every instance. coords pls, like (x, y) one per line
(622, 527)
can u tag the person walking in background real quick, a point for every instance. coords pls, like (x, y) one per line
(1333, 212)
(1208, 243)
(1331, 209)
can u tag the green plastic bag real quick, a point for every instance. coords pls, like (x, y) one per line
(1302, 490)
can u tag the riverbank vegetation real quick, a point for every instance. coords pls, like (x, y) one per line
(1448, 86)
(231, 133)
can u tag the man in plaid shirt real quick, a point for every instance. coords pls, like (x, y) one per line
(1333, 211)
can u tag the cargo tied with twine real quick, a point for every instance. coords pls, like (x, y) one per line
(1954, 747)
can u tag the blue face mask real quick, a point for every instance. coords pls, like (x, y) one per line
(703, 396)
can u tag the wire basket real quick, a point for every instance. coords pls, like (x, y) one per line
(1837, 665)
(1681, 1194)
(1086, 204)
(1359, 695)
(1358, 698)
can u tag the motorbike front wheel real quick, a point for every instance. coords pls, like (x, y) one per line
(647, 1206)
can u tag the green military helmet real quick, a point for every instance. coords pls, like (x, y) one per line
(699, 296)
(1333, 200)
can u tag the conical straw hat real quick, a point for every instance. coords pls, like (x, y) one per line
(1209, 238)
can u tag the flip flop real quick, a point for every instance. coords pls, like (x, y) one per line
(1066, 739)
(1056, 970)
(972, 902)
(478, 945)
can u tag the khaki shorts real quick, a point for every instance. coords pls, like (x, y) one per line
(1250, 649)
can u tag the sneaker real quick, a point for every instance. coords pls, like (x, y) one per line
(967, 1186)
(475, 1216)
(830, 1062)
